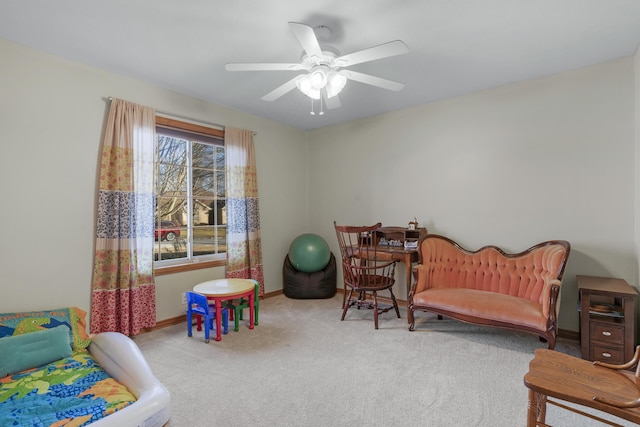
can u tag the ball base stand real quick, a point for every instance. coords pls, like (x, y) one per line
(317, 285)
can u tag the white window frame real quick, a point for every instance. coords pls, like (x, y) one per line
(206, 133)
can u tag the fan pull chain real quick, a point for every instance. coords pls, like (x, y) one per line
(321, 111)
(312, 112)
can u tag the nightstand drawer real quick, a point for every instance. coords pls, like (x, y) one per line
(608, 354)
(607, 333)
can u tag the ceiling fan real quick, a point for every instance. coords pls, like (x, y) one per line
(324, 74)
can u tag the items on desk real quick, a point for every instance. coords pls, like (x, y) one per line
(411, 244)
(385, 242)
(400, 237)
(408, 244)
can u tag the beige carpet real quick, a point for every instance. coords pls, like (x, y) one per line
(302, 366)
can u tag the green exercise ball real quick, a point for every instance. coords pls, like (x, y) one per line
(309, 253)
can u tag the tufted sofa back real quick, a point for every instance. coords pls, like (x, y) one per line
(444, 263)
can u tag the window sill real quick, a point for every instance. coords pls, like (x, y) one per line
(160, 271)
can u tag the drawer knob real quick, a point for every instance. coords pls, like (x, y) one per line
(605, 354)
(606, 333)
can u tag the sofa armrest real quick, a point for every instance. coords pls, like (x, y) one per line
(550, 299)
(421, 279)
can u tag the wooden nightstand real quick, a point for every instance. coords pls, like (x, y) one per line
(607, 319)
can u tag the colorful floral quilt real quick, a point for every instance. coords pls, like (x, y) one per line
(74, 391)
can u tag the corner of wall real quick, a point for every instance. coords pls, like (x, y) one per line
(307, 201)
(636, 77)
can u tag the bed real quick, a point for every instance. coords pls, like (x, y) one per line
(72, 379)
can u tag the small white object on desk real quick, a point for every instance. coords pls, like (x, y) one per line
(411, 244)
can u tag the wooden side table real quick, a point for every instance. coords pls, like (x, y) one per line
(607, 319)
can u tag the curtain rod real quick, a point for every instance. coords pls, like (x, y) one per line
(171, 115)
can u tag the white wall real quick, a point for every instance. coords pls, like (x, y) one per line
(637, 153)
(52, 117)
(637, 173)
(551, 158)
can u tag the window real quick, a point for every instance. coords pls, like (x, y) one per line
(190, 190)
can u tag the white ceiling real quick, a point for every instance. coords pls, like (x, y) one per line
(456, 46)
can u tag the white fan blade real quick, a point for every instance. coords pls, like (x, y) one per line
(372, 80)
(307, 39)
(331, 103)
(281, 90)
(262, 67)
(386, 50)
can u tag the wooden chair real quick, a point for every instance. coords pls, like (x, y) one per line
(554, 377)
(365, 270)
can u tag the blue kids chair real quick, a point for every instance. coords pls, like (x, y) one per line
(197, 304)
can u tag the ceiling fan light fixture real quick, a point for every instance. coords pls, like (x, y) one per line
(311, 84)
(314, 93)
(337, 80)
(304, 85)
(335, 83)
(318, 77)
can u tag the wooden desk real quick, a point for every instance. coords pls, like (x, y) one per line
(567, 378)
(405, 256)
(225, 289)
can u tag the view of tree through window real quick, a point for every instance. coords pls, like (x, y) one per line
(190, 196)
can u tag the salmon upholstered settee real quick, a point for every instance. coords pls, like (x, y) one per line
(489, 286)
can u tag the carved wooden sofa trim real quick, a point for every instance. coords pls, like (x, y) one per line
(489, 286)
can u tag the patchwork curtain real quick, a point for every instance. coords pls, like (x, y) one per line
(244, 247)
(123, 289)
